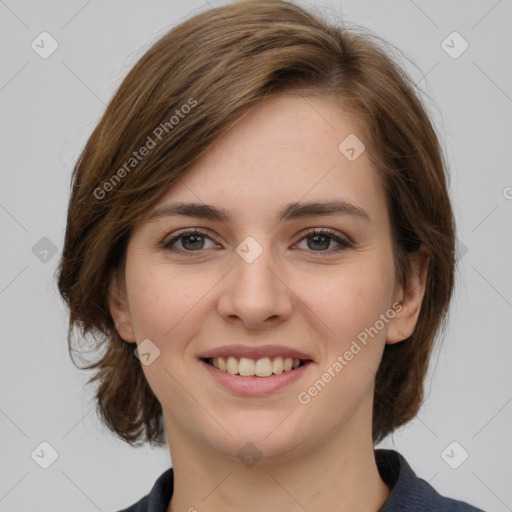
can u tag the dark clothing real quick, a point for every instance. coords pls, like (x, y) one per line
(408, 492)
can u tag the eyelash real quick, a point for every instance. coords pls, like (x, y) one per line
(167, 244)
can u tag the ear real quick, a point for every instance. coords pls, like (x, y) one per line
(410, 298)
(119, 309)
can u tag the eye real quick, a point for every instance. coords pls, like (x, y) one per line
(187, 241)
(194, 241)
(320, 239)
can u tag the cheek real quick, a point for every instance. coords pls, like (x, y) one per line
(165, 309)
(167, 305)
(156, 297)
(351, 307)
(348, 300)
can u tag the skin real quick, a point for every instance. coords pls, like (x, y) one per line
(317, 456)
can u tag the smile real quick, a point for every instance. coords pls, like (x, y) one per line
(254, 385)
(262, 367)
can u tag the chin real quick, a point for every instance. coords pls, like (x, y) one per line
(264, 438)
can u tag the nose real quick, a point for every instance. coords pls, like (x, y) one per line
(255, 293)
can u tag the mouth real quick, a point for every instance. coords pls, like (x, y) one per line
(255, 371)
(262, 367)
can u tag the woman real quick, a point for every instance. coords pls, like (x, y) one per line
(260, 235)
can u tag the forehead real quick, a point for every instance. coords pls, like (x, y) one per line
(286, 149)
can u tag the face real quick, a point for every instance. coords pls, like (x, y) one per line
(267, 280)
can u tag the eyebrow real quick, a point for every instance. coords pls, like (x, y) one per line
(289, 212)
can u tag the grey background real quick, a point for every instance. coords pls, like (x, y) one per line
(49, 108)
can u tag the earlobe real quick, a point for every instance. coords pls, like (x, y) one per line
(411, 298)
(120, 311)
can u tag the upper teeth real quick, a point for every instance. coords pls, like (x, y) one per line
(263, 367)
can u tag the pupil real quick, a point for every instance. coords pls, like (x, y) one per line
(194, 238)
(320, 238)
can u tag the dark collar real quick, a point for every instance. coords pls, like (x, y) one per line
(408, 492)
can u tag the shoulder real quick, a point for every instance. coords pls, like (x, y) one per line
(158, 498)
(140, 506)
(409, 492)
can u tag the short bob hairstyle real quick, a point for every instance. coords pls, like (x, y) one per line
(183, 94)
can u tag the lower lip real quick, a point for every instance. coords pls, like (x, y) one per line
(255, 386)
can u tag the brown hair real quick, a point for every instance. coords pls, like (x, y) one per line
(219, 64)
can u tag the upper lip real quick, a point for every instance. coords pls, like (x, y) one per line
(254, 352)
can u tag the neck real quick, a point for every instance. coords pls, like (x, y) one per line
(340, 474)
